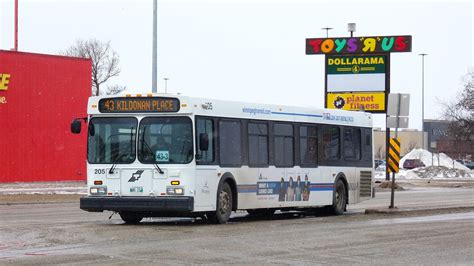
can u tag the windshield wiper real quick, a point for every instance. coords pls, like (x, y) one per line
(120, 155)
(115, 161)
(142, 139)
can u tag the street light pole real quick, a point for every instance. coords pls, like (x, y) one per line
(154, 70)
(327, 29)
(166, 84)
(423, 99)
(351, 27)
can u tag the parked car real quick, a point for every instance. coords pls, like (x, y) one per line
(413, 163)
(468, 164)
(381, 166)
(378, 162)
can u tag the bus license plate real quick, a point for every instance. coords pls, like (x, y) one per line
(136, 189)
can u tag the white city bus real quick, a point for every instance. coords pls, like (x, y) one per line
(170, 155)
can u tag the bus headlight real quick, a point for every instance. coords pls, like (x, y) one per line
(98, 190)
(175, 191)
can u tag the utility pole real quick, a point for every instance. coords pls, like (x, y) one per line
(423, 100)
(154, 85)
(327, 29)
(166, 84)
(16, 26)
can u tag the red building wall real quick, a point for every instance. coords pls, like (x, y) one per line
(39, 97)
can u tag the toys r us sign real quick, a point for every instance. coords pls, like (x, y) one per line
(359, 45)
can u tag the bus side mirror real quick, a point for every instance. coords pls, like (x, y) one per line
(203, 142)
(76, 126)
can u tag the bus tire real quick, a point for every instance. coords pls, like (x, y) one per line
(224, 205)
(130, 217)
(339, 200)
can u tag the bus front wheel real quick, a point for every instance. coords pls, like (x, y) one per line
(224, 205)
(130, 217)
(339, 198)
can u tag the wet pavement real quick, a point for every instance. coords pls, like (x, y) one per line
(62, 233)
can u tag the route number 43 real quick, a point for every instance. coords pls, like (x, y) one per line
(162, 156)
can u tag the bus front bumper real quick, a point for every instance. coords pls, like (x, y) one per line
(137, 204)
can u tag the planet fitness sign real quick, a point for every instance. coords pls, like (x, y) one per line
(356, 82)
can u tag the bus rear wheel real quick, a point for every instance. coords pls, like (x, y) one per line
(130, 217)
(339, 201)
(224, 205)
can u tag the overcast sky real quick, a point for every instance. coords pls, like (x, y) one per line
(254, 50)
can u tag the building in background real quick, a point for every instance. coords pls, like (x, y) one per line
(39, 96)
(409, 138)
(440, 140)
(437, 140)
(437, 130)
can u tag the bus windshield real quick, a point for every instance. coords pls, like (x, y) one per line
(112, 140)
(165, 140)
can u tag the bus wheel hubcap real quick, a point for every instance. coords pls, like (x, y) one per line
(224, 202)
(339, 198)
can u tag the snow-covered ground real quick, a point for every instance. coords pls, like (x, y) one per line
(43, 188)
(434, 172)
(442, 168)
(430, 159)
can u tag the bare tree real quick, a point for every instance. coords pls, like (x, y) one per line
(460, 113)
(105, 61)
(380, 152)
(115, 89)
(410, 146)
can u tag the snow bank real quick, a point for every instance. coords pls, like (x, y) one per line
(442, 171)
(426, 157)
(430, 172)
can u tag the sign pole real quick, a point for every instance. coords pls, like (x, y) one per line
(387, 147)
(392, 195)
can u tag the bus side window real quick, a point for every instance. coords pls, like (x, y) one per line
(230, 143)
(352, 143)
(283, 143)
(331, 142)
(367, 152)
(205, 126)
(309, 146)
(258, 144)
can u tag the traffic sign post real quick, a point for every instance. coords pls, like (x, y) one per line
(393, 155)
(398, 109)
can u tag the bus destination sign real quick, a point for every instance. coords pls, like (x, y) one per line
(139, 105)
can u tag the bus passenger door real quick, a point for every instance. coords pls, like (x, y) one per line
(206, 180)
(205, 188)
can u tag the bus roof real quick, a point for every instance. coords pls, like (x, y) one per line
(172, 104)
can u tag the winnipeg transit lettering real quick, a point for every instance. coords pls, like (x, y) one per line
(360, 45)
